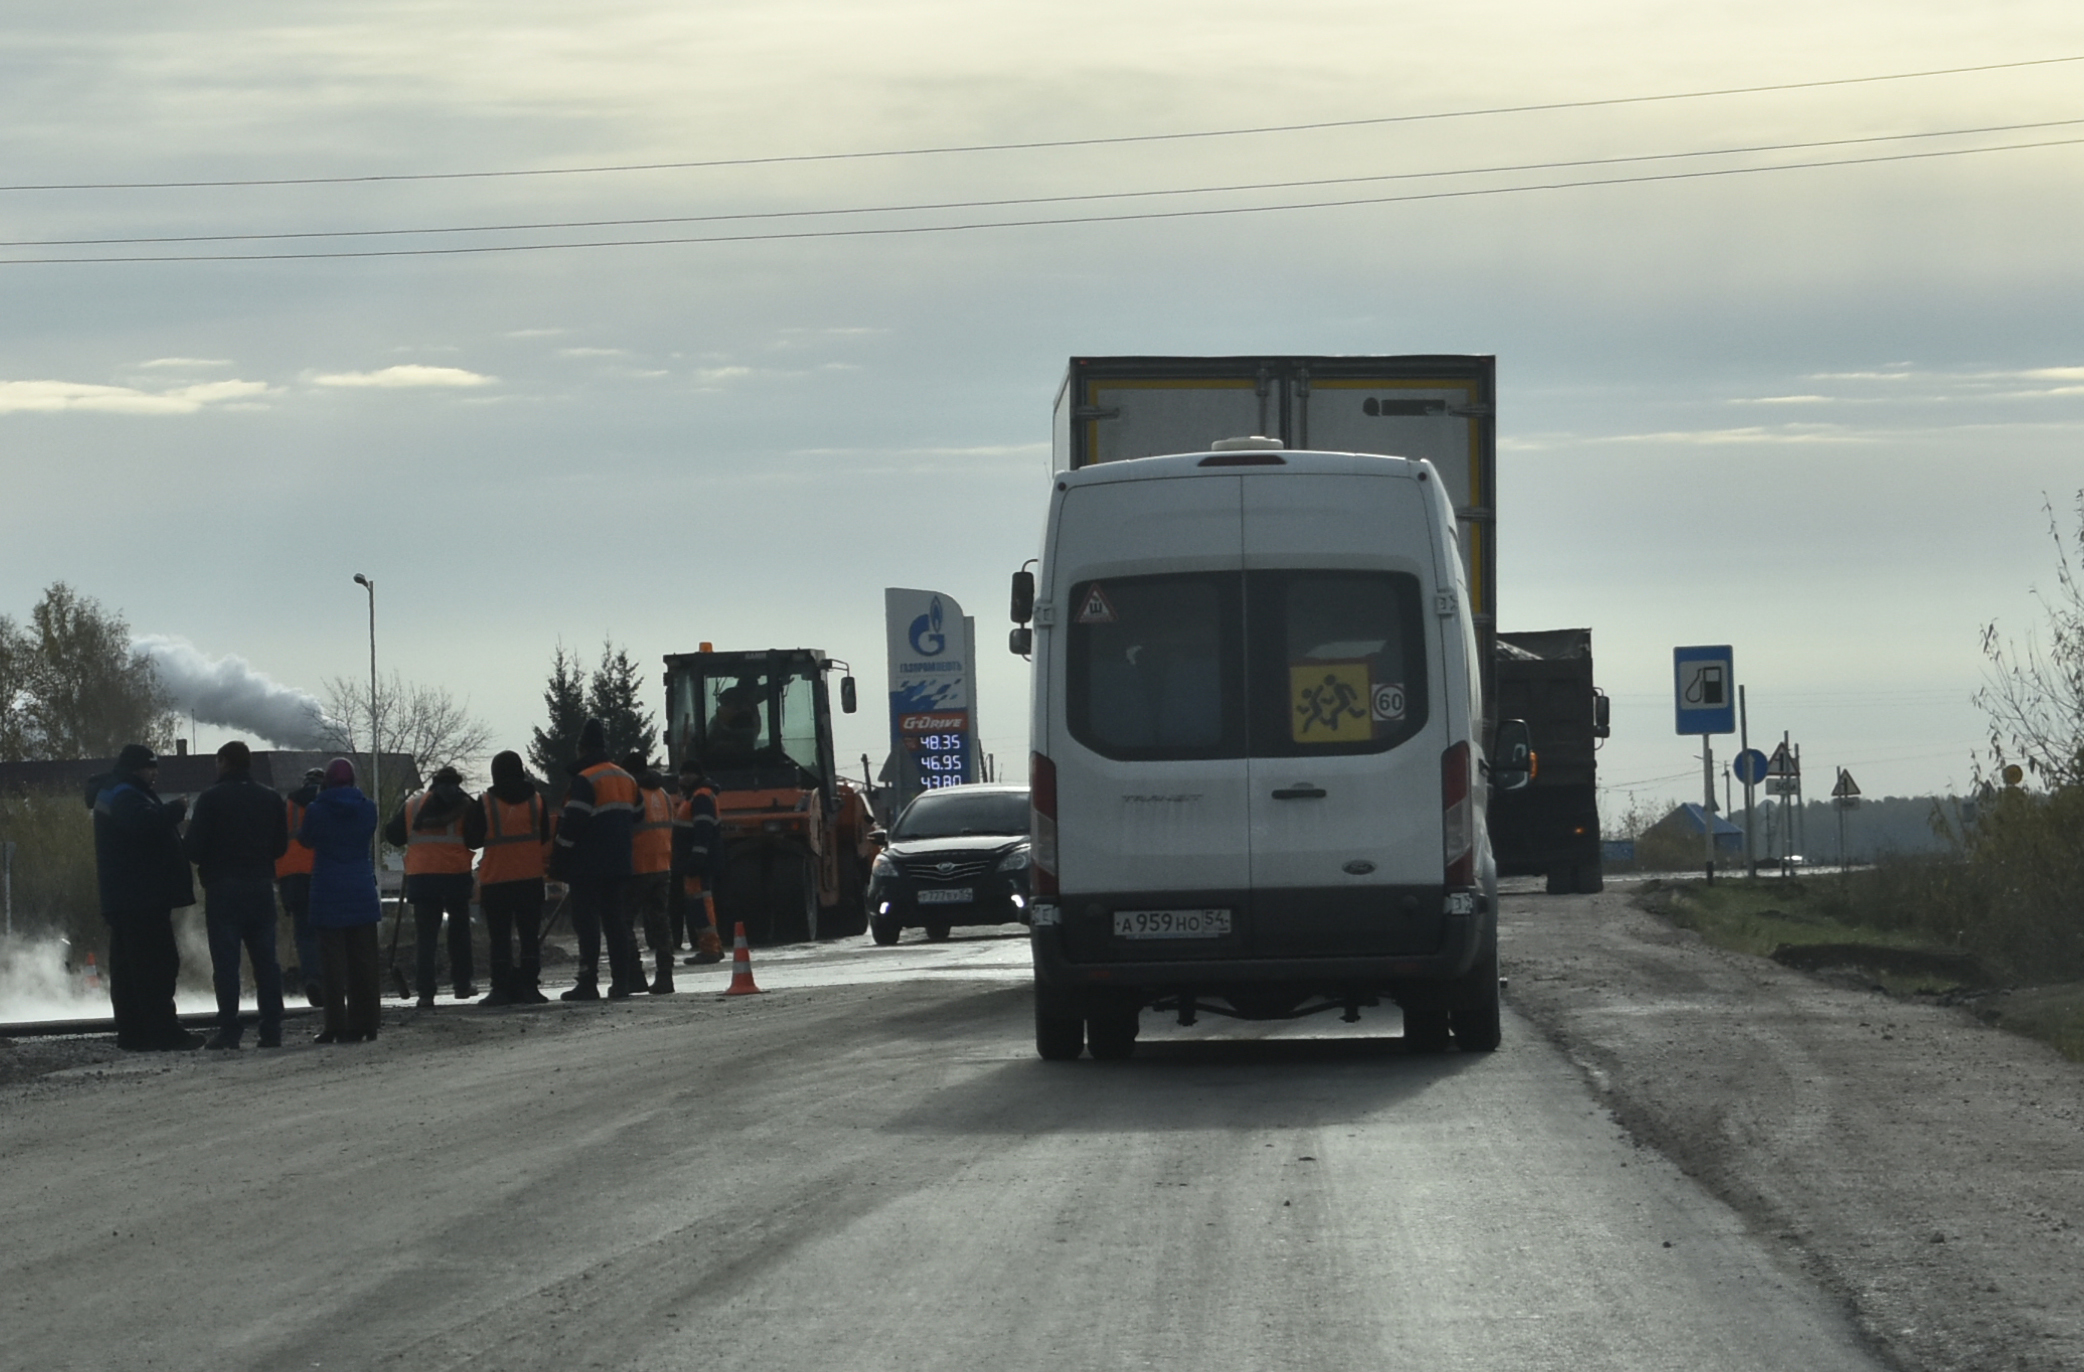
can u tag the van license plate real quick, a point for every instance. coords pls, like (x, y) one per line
(1171, 923)
(947, 895)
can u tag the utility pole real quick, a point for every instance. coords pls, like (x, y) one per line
(1743, 747)
(376, 789)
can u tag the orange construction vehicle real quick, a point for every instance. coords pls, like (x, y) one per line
(798, 838)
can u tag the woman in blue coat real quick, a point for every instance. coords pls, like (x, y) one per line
(338, 828)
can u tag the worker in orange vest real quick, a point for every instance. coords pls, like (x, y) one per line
(437, 828)
(516, 851)
(293, 884)
(697, 854)
(651, 869)
(591, 854)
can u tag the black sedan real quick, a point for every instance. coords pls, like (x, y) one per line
(958, 855)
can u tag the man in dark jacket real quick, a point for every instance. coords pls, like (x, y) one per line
(240, 827)
(143, 879)
(592, 855)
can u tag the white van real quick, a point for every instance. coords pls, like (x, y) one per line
(1258, 779)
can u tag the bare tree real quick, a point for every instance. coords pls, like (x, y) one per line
(424, 721)
(2033, 693)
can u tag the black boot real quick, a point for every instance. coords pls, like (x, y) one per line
(662, 984)
(587, 989)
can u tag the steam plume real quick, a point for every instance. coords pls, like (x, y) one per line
(227, 691)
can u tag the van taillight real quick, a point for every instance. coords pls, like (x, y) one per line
(1458, 830)
(1042, 835)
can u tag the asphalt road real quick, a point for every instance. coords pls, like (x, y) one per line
(866, 1168)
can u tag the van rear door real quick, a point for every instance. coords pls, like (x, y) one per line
(1151, 797)
(1346, 717)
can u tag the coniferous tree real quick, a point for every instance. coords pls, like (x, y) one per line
(616, 696)
(564, 697)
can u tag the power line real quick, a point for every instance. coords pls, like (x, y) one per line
(1034, 200)
(1026, 224)
(1037, 144)
(909, 229)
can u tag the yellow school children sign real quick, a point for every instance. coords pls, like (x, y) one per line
(1329, 702)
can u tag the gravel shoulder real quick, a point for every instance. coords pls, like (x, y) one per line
(1923, 1167)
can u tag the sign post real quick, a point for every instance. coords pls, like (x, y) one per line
(1705, 704)
(1846, 796)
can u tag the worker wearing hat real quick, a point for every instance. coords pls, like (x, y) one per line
(437, 828)
(592, 855)
(143, 878)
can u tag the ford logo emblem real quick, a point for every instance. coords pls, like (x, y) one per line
(1359, 867)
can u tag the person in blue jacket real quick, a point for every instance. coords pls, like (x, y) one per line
(339, 828)
(144, 878)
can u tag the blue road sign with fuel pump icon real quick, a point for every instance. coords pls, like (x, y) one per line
(1704, 690)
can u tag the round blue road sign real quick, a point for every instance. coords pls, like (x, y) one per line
(1750, 766)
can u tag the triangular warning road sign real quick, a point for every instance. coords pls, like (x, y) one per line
(1846, 785)
(1096, 609)
(1782, 764)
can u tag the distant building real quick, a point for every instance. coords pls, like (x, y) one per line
(1687, 821)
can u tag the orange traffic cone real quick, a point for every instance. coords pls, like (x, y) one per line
(93, 974)
(741, 965)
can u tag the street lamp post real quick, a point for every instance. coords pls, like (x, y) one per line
(375, 751)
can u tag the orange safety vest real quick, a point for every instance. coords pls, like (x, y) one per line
(433, 851)
(514, 847)
(296, 859)
(651, 845)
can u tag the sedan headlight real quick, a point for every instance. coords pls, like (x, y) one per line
(883, 866)
(1015, 861)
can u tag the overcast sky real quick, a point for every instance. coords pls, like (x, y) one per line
(1809, 412)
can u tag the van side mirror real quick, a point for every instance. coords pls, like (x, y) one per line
(1021, 641)
(1512, 765)
(1601, 715)
(848, 703)
(1023, 597)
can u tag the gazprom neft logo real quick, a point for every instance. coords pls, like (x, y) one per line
(927, 638)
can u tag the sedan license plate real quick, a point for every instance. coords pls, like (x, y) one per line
(1171, 923)
(947, 895)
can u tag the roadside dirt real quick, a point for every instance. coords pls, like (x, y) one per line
(1924, 1167)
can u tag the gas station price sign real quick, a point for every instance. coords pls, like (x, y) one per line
(939, 744)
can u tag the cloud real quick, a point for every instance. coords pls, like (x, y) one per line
(603, 352)
(1791, 433)
(44, 397)
(409, 374)
(1788, 400)
(189, 363)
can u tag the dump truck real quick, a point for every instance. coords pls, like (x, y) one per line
(1550, 827)
(798, 838)
(1438, 407)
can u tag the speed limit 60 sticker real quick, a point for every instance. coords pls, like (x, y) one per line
(1386, 701)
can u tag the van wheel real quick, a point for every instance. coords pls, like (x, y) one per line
(1474, 1003)
(1591, 879)
(884, 931)
(1110, 1034)
(1562, 880)
(1059, 1032)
